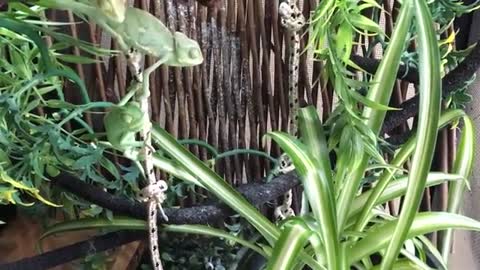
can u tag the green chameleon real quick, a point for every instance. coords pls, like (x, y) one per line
(121, 125)
(137, 29)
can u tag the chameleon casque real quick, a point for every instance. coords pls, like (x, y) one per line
(137, 32)
(293, 21)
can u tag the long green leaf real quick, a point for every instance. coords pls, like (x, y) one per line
(286, 250)
(215, 184)
(201, 143)
(380, 93)
(398, 188)
(22, 28)
(428, 246)
(209, 231)
(402, 265)
(117, 223)
(240, 151)
(174, 169)
(430, 97)
(427, 222)
(126, 223)
(70, 74)
(400, 158)
(313, 137)
(463, 165)
(318, 191)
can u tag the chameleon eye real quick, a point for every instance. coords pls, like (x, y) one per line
(127, 118)
(193, 53)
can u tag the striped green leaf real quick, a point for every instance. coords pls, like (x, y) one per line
(126, 223)
(293, 238)
(318, 191)
(463, 166)
(429, 106)
(423, 223)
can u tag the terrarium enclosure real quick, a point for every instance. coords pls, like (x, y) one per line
(266, 134)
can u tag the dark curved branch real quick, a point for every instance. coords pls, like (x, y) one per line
(452, 81)
(399, 139)
(370, 65)
(75, 251)
(255, 193)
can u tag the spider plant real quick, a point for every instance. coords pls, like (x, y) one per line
(292, 234)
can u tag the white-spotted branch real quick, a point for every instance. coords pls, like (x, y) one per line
(154, 192)
(292, 20)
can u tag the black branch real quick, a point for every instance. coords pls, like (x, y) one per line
(255, 193)
(370, 65)
(454, 80)
(75, 251)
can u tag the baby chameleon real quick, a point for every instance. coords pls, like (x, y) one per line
(121, 125)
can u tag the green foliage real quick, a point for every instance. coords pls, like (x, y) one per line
(459, 97)
(35, 144)
(344, 224)
(193, 252)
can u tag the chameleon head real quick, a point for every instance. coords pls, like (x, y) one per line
(187, 50)
(113, 9)
(133, 116)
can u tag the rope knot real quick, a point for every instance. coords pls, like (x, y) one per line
(285, 164)
(155, 192)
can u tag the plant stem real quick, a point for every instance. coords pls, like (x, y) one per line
(246, 151)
